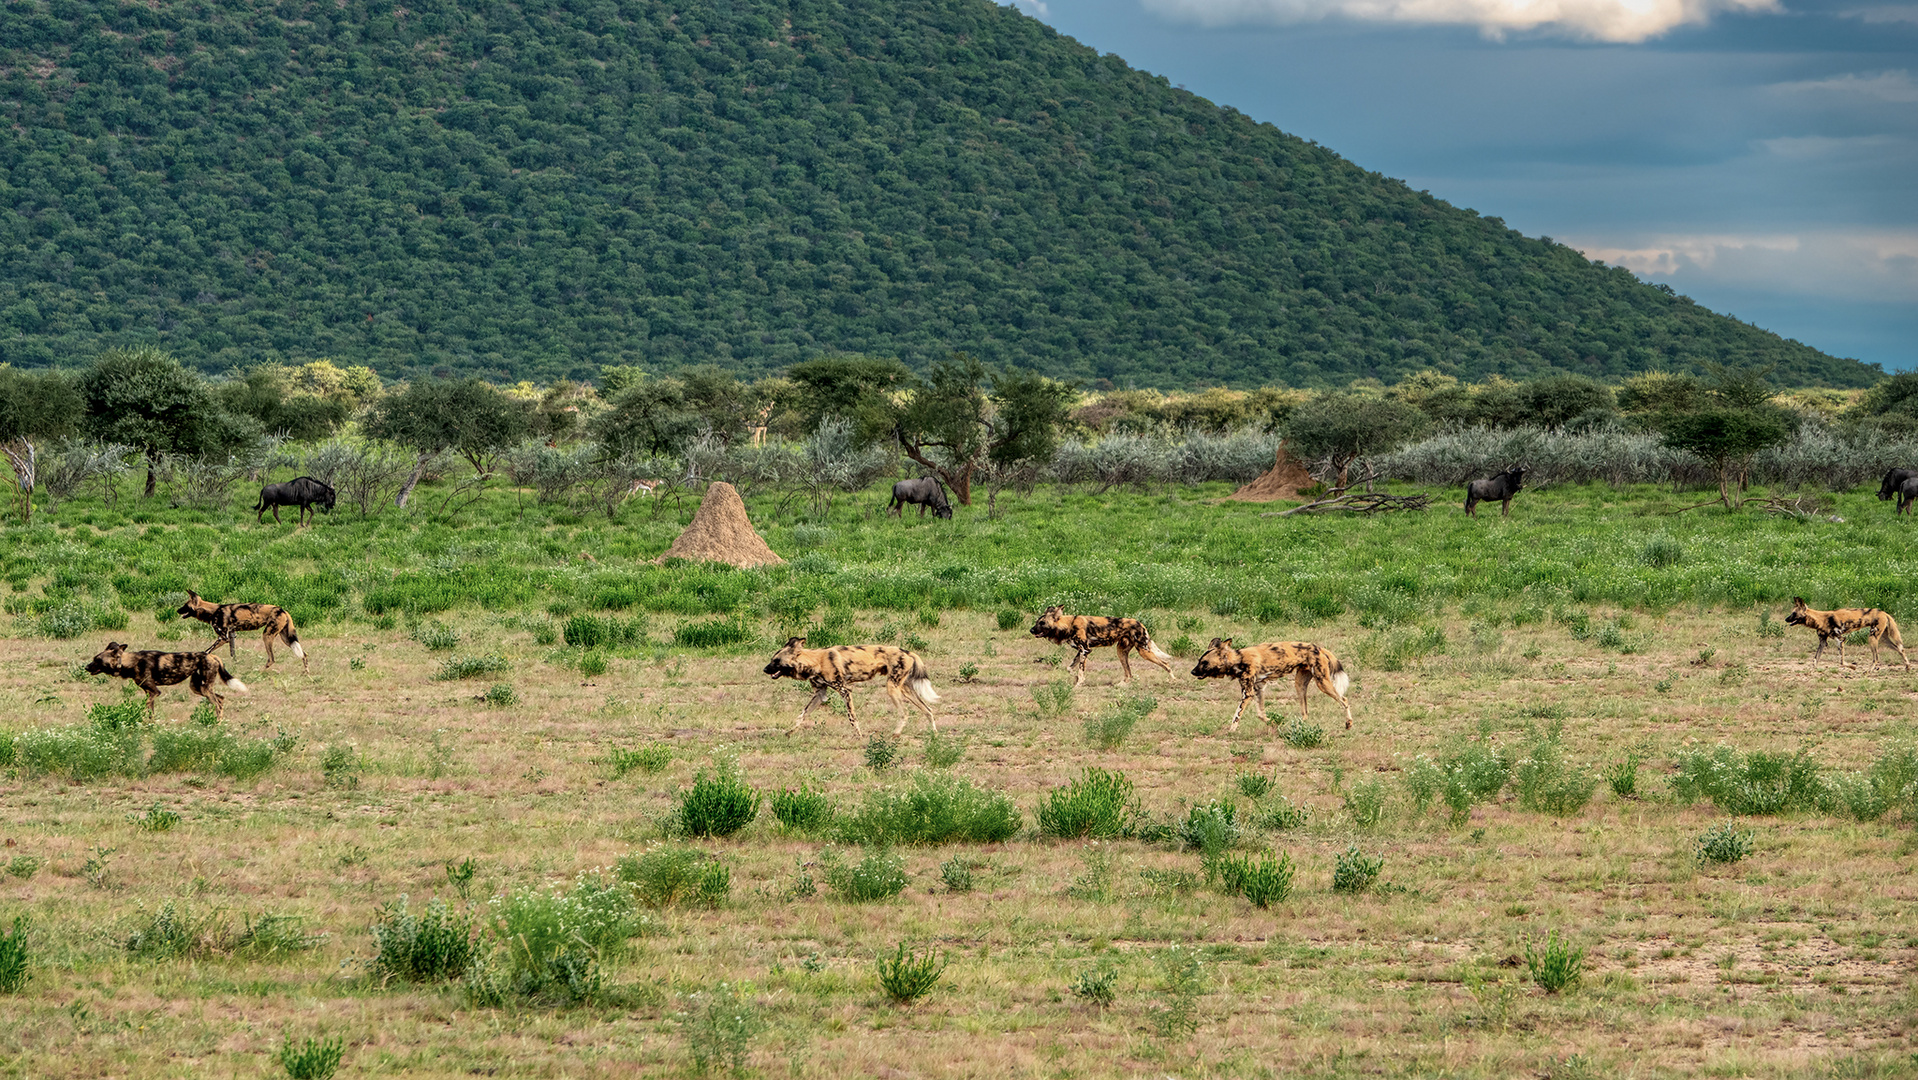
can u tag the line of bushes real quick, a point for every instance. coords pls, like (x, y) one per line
(119, 740)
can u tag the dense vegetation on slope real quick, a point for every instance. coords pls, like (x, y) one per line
(537, 189)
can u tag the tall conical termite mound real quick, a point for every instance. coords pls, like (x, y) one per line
(1282, 481)
(721, 532)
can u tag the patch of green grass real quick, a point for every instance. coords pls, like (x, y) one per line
(931, 808)
(1354, 871)
(1723, 843)
(668, 875)
(906, 976)
(802, 809)
(433, 945)
(311, 1059)
(718, 804)
(1110, 726)
(470, 667)
(649, 759)
(878, 875)
(1553, 962)
(16, 959)
(1099, 803)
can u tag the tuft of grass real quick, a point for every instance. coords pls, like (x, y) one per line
(906, 976)
(1622, 775)
(1302, 735)
(1554, 962)
(1281, 815)
(1263, 881)
(932, 808)
(712, 633)
(1547, 782)
(340, 767)
(546, 946)
(649, 759)
(670, 875)
(1175, 1012)
(157, 819)
(1183, 646)
(1100, 804)
(24, 866)
(802, 809)
(956, 874)
(878, 875)
(592, 665)
(944, 751)
(1209, 828)
(1109, 728)
(470, 667)
(1366, 803)
(501, 695)
(1723, 843)
(1097, 986)
(718, 804)
(434, 945)
(1053, 699)
(1009, 619)
(311, 1060)
(460, 875)
(1354, 872)
(15, 958)
(437, 636)
(1254, 785)
(720, 1028)
(1747, 785)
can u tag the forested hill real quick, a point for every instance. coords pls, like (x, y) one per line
(532, 190)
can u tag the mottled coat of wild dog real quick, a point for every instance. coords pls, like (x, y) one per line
(201, 671)
(1088, 632)
(229, 619)
(1253, 665)
(839, 667)
(1834, 625)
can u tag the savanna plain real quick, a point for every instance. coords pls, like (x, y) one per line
(533, 810)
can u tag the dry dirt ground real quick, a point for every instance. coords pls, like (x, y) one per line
(1797, 961)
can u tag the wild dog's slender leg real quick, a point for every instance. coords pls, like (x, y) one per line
(1079, 664)
(266, 638)
(1247, 687)
(1301, 677)
(820, 690)
(1125, 661)
(1329, 689)
(1258, 697)
(845, 695)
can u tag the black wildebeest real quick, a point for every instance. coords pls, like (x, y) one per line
(1499, 488)
(303, 492)
(1907, 494)
(925, 491)
(1894, 480)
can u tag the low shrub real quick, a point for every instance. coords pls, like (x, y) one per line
(1890, 781)
(933, 808)
(1210, 828)
(1366, 803)
(603, 632)
(274, 935)
(1263, 881)
(1747, 785)
(1254, 785)
(501, 695)
(956, 874)
(881, 753)
(720, 1027)
(15, 958)
(1097, 986)
(712, 634)
(1723, 843)
(667, 876)
(1549, 783)
(1354, 872)
(157, 819)
(1099, 804)
(340, 767)
(908, 976)
(311, 1060)
(718, 804)
(1009, 619)
(1110, 726)
(878, 875)
(437, 636)
(1281, 814)
(470, 667)
(174, 930)
(552, 942)
(1302, 735)
(944, 751)
(650, 758)
(430, 946)
(1554, 962)
(1053, 699)
(802, 809)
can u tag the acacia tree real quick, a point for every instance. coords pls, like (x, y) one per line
(34, 407)
(431, 416)
(1735, 420)
(858, 389)
(961, 416)
(1342, 428)
(141, 397)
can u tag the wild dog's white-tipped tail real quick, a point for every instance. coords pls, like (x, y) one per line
(234, 684)
(299, 650)
(1341, 680)
(1157, 653)
(922, 689)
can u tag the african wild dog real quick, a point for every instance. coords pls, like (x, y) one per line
(1834, 625)
(1500, 489)
(228, 619)
(1088, 632)
(149, 670)
(839, 667)
(1253, 665)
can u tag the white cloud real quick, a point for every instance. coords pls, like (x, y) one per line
(1848, 264)
(1885, 13)
(1602, 20)
(1816, 147)
(1895, 86)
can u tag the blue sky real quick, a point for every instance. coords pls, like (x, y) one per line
(1760, 156)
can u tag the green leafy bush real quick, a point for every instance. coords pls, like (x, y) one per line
(470, 667)
(650, 758)
(1751, 784)
(1009, 619)
(1109, 727)
(908, 976)
(437, 636)
(932, 808)
(718, 804)
(501, 695)
(1548, 782)
(15, 957)
(802, 809)
(430, 946)
(175, 930)
(1099, 804)
(944, 751)
(1365, 802)
(1554, 962)
(1175, 1012)
(1280, 815)
(1354, 871)
(712, 634)
(878, 875)
(1208, 827)
(956, 874)
(311, 1060)
(1254, 785)
(1097, 986)
(881, 753)
(603, 632)
(1302, 735)
(1723, 843)
(720, 1028)
(552, 942)
(1053, 699)
(1263, 881)
(665, 876)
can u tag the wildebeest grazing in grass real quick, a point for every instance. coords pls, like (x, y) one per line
(201, 671)
(839, 667)
(1499, 489)
(1907, 494)
(1088, 632)
(229, 619)
(303, 492)
(1894, 480)
(1834, 625)
(925, 491)
(1253, 665)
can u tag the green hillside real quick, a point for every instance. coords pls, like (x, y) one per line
(533, 190)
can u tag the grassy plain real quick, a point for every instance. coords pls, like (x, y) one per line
(1636, 632)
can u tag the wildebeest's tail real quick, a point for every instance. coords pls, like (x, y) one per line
(1339, 678)
(920, 681)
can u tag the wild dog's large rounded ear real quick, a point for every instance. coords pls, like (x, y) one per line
(795, 642)
(1797, 601)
